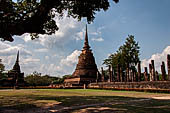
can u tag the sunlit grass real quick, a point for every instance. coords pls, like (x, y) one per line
(79, 100)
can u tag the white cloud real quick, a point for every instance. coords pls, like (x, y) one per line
(71, 59)
(53, 68)
(6, 49)
(8, 55)
(47, 57)
(79, 36)
(26, 37)
(41, 50)
(97, 39)
(158, 58)
(97, 35)
(33, 52)
(8, 61)
(100, 28)
(94, 33)
(69, 29)
(29, 61)
(4, 45)
(28, 65)
(65, 66)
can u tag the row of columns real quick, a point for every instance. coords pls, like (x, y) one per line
(130, 75)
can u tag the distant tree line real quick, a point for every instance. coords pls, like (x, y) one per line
(36, 79)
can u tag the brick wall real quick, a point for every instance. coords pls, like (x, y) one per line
(131, 85)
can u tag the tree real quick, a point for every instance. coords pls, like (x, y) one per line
(130, 52)
(36, 79)
(126, 56)
(2, 67)
(33, 79)
(37, 16)
(3, 76)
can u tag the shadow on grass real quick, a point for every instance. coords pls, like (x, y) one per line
(86, 104)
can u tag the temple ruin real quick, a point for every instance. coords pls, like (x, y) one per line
(86, 70)
(15, 77)
(86, 73)
(132, 76)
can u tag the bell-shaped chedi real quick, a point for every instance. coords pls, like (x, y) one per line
(86, 69)
(86, 66)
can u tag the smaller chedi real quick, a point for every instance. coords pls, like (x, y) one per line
(15, 77)
(86, 70)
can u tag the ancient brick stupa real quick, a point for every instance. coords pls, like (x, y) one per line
(15, 77)
(86, 69)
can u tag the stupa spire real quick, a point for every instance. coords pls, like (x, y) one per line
(16, 65)
(17, 60)
(86, 43)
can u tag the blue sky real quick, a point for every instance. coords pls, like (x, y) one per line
(147, 20)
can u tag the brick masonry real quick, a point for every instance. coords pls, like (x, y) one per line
(135, 85)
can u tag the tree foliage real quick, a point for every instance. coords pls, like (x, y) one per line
(2, 66)
(37, 16)
(36, 79)
(61, 80)
(126, 56)
(3, 76)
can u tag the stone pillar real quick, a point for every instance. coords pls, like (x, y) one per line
(99, 77)
(118, 73)
(156, 76)
(127, 75)
(139, 71)
(103, 79)
(150, 72)
(84, 86)
(121, 75)
(163, 71)
(168, 66)
(134, 75)
(16, 83)
(131, 76)
(153, 70)
(146, 74)
(110, 74)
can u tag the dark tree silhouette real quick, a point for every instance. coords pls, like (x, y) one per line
(36, 16)
(2, 66)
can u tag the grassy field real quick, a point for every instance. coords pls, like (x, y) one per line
(80, 100)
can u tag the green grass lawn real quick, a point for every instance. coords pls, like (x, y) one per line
(80, 100)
